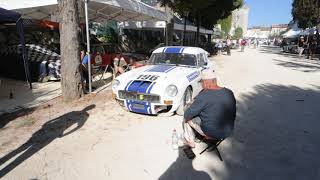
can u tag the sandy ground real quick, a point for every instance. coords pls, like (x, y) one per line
(276, 132)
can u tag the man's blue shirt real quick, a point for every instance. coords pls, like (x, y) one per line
(85, 60)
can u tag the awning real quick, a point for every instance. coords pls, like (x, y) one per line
(160, 25)
(99, 10)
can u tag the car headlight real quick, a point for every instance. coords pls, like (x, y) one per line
(172, 90)
(115, 84)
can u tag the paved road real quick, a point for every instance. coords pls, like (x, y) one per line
(276, 133)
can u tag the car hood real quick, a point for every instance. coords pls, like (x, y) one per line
(159, 75)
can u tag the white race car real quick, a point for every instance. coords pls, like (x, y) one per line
(169, 82)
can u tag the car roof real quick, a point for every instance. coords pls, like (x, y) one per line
(180, 49)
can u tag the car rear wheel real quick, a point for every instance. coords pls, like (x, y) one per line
(187, 98)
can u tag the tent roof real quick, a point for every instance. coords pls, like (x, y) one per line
(99, 10)
(294, 31)
(7, 16)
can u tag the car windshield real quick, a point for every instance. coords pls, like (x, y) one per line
(173, 59)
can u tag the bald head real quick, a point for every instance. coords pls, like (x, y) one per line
(209, 83)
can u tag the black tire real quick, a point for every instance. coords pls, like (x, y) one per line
(187, 98)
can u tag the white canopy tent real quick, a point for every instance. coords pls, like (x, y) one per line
(309, 31)
(95, 10)
(98, 10)
(293, 32)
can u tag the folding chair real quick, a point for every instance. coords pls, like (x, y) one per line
(99, 69)
(212, 145)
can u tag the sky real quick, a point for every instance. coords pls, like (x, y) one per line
(268, 12)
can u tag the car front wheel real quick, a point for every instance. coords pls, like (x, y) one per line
(187, 99)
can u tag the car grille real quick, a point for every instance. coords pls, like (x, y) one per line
(139, 96)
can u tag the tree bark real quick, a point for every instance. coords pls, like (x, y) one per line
(170, 32)
(184, 31)
(198, 30)
(71, 85)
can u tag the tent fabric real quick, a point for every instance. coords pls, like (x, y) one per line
(293, 32)
(7, 16)
(99, 10)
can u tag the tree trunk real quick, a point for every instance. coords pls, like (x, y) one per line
(170, 32)
(198, 31)
(69, 47)
(184, 31)
(209, 38)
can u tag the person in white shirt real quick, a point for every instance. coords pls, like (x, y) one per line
(119, 65)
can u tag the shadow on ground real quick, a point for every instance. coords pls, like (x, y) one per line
(276, 50)
(182, 168)
(8, 117)
(292, 61)
(276, 136)
(298, 65)
(50, 131)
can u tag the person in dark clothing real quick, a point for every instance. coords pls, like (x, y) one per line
(229, 43)
(301, 45)
(313, 46)
(84, 67)
(212, 113)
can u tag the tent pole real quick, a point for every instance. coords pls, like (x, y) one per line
(88, 43)
(19, 25)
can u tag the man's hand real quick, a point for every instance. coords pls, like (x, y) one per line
(188, 105)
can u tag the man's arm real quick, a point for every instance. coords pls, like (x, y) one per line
(195, 108)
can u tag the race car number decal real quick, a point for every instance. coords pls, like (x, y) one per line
(148, 77)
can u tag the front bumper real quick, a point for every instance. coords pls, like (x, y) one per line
(147, 107)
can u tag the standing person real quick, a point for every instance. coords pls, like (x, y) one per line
(119, 64)
(312, 46)
(301, 44)
(229, 46)
(220, 47)
(255, 41)
(243, 44)
(213, 112)
(84, 69)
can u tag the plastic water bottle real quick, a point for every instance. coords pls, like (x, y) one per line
(174, 140)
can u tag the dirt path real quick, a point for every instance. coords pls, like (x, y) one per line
(276, 134)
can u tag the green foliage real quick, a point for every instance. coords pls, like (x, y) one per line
(203, 12)
(107, 32)
(306, 12)
(225, 25)
(238, 33)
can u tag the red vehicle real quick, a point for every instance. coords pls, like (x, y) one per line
(109, 51)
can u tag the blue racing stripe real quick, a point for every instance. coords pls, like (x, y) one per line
(134, 86)
(143, 87)
(146, 106)
(173, 50)
(139, 86)
(193, 76)
(159, 68)
(170, 69)
(150, 88)
(127, 85)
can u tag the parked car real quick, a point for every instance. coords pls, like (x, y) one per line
(167, 84)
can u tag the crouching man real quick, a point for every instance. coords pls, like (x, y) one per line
(212, 113)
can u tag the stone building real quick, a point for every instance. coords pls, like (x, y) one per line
(240, 18)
